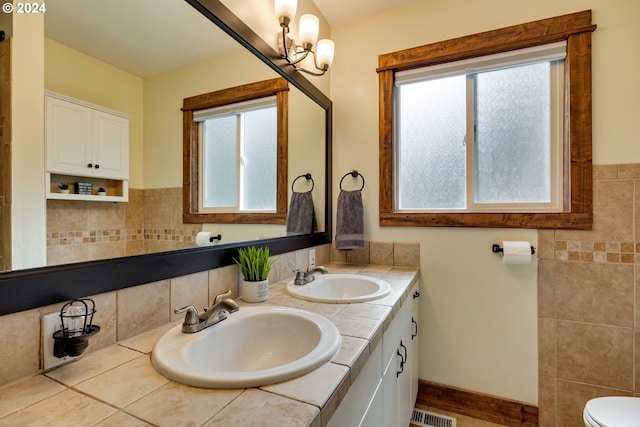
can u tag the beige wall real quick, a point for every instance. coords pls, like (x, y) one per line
(163, 96)
(479, 316)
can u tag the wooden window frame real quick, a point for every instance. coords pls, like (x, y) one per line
(576, 29)
(278, 87)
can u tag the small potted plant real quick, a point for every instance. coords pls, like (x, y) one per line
(63, 187)
(255, 265)
(102, 191)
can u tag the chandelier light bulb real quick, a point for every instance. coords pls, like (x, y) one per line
(309, 27)
(286, 9)
(324, 53)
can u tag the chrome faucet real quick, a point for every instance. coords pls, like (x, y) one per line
(220, 310)
(304, 277)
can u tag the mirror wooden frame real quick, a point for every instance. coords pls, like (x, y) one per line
(32, 288)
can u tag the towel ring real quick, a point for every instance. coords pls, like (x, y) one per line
(355, 174)
(304, 175)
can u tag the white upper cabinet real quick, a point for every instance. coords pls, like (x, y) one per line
(110, 147)
(83, 140)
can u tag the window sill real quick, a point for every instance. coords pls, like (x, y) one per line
(565, 221)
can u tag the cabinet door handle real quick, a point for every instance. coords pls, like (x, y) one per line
(97, 166)
(416, 294)
(90, 165)
(401, 363)
(404, 359)
(415, 328)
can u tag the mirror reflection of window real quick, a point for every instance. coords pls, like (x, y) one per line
(239, 156)
(236, 154)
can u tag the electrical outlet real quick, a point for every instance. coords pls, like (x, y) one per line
(51, 324)
(312, 257)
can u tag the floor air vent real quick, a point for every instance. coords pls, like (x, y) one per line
(421, 417)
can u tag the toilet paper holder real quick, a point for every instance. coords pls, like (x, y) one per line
(496, 249)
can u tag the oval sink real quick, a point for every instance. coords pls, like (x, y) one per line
(340, 288)
(254, 346)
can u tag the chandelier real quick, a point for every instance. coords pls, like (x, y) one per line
(295, 53)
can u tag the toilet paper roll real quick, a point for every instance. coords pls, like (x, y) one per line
(204, 238)
(516, 252)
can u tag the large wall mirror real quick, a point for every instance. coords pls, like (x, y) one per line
(205, 48)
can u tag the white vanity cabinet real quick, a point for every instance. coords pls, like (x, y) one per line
(400, 360)
(86, 141)
(385, 391)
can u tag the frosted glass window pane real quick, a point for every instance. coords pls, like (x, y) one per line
(431, 150)
(219, 161)
(512, 116)
(259, 160)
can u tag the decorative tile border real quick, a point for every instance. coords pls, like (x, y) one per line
(597, 251)
(63, 238)
(175, 235)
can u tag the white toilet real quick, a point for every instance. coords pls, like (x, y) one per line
(612, 411)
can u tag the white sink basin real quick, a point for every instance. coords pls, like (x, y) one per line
(254, 346)
(340, 288)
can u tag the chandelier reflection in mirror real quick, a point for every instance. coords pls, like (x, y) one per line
(295, 53)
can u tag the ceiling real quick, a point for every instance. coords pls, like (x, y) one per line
(138, 36)
(342, 11)
(148, 38)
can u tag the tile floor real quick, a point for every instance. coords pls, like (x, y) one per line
(461, 420)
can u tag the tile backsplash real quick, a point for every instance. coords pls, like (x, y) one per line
(151, 221)
(588, 312)
(129, 312)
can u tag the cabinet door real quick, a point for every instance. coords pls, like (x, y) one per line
(390, 382)
(362, 401)
(404, 403)
(396, 373)
(68, 128)
(373, 417)
(110, 146)
(414, 346)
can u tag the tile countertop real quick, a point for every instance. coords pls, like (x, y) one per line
(118, 386)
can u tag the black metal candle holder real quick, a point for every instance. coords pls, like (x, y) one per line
(76, 320)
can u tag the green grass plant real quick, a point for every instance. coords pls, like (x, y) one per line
(254, 263)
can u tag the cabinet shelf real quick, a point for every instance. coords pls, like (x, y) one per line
(117, 190)
(86, 197)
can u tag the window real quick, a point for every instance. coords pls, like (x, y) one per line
(235, 155)
(490, 130)
(238, 146)
(482, 134)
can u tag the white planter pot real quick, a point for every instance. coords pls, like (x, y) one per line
(255, 291)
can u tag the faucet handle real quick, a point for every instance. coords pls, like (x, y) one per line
(222, 296)
(191, 318)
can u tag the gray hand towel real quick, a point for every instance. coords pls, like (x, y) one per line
(350, 220)
(302, 216)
